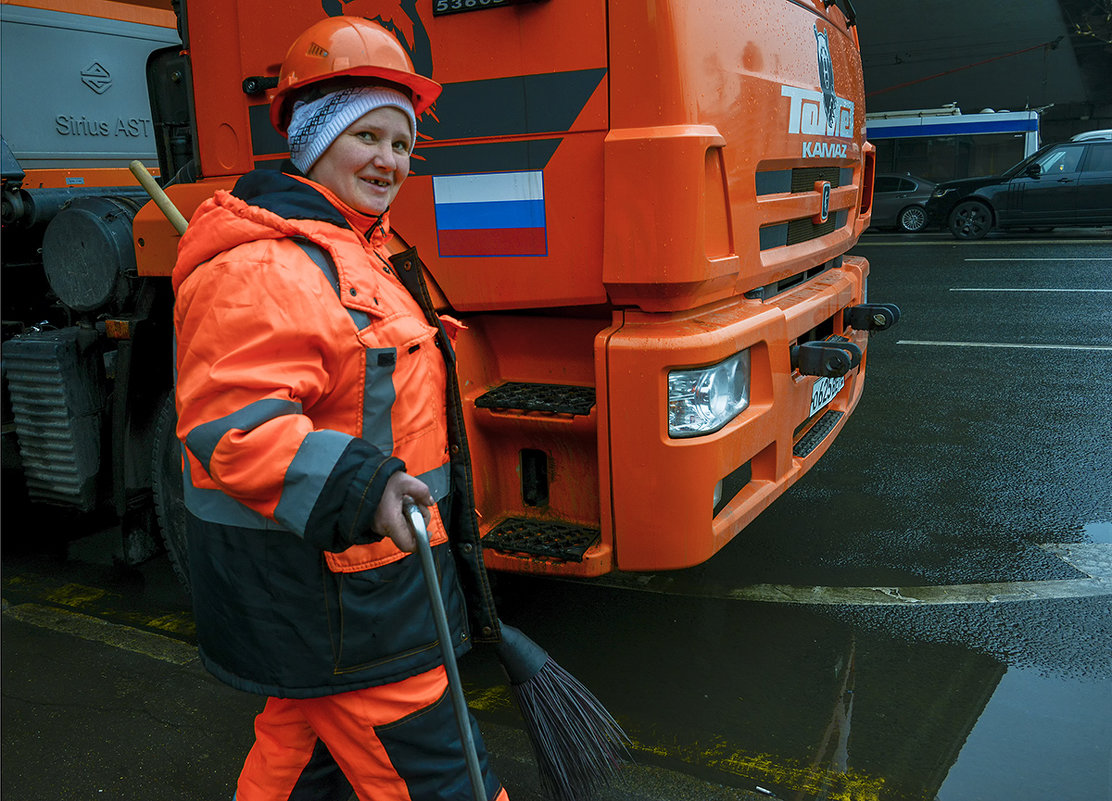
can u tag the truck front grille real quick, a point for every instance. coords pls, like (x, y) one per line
(795, 231)
(804, 178)
(800, 180)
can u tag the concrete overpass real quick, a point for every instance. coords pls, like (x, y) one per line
(991, 54)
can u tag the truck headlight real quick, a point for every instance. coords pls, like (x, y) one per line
(701, 401)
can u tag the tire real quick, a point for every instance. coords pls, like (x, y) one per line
(912, 219)
(970, 219)
(169, 496)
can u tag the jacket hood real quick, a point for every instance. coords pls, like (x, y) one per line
(265, 204)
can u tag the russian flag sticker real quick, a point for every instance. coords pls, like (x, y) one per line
(490, 214)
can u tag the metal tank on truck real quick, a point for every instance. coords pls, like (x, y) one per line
(77, 317)
(640, 212)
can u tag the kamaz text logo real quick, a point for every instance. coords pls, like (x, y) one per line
(824, 150)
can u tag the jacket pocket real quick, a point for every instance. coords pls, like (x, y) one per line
(383, 552)
(385, 620)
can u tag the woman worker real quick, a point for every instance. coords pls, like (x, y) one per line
(314, 391)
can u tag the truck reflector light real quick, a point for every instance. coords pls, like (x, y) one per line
(702, 401)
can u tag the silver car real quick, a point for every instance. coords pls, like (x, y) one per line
(899, 201)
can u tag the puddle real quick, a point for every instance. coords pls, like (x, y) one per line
(1098, 532)
(1063, 727)
(893, 704)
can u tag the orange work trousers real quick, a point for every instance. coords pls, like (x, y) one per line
(396, 742)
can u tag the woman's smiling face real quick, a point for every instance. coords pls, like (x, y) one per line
(366, 164)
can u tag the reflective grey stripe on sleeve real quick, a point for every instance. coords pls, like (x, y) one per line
(439, 481)
(361, 319)
(203, 439)
(307, 475)
(213, 506)
(379, 395)
(323, 259)
(378, 398)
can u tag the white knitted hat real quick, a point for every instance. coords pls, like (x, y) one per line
(315, 125)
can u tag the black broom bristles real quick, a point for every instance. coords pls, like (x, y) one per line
(577, 743)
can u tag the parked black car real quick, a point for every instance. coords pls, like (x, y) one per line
(900, 201)
(1063, 184)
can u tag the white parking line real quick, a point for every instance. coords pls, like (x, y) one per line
(998, 242)
(1053, 258)
(118, 635)
(1092, 560)
(1001, 345)
(1006, 289)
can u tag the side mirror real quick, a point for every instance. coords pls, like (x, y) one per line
(1034, 170)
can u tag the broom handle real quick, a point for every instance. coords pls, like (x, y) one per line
(455, 686)
(160, 198)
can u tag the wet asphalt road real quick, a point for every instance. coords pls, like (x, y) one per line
(954, 549)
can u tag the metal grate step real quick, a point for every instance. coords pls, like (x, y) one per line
(551, 398)
(816, 434)
(550, 538)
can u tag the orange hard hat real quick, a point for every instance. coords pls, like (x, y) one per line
(339, 47)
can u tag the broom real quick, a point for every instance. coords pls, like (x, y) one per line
(577, 744)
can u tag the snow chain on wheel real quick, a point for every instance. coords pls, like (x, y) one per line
(169, 497)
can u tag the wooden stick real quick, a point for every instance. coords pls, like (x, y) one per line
(160, 198)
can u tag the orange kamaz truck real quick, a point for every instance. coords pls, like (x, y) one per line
(641, 212)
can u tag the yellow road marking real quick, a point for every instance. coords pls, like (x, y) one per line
(490, 699)
(178, 623)
(75, 595)
(724, 757)
(768, 769)
(98, 602)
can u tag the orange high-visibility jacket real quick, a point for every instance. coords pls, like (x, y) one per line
(307, 374)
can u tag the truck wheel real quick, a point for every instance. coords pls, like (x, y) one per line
(169, 497)
(912, 219)
(970, 219)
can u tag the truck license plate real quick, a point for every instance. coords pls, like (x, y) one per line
(824, 390)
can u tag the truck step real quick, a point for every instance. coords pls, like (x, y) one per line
(550, 398)
(816, 433)
(550, 538)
